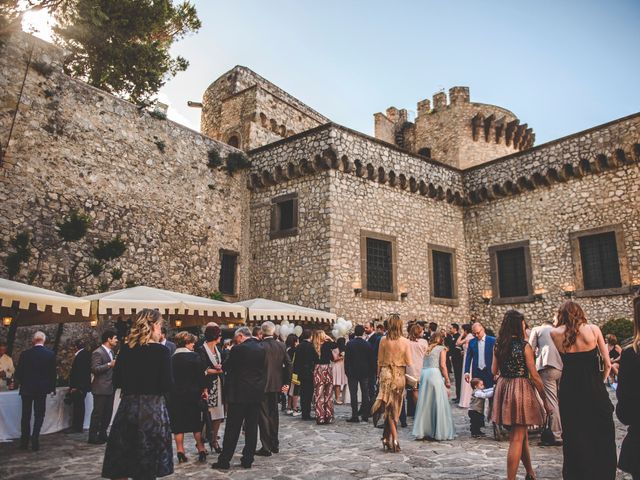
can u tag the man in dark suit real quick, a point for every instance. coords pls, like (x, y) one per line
(167, 343)
(36, 373)
(374, 335)
(303, 367)
(79, 385)
(480, 356)
(359, 365)
(102, 364)
(244, 387)
(278, 372)
(455, 356)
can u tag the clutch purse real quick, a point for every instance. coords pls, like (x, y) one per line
(410, 381)
(294, 379)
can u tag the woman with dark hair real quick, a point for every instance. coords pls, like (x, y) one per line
(212, 361)
(189, 387)
(393, 357)
(586, 412)
(615, 350)
(463, 341)
(628, 393)
(514, 402)
(339, 375)
(139, 444)
(294, 386)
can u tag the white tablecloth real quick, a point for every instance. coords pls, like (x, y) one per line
(57, 416)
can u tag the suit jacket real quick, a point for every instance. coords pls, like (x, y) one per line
(454, 352)
(277, 366)
(36, 371)
(472, 355)
(102, 373)
(245, 370)
(305, 360)
(80, 376)
(547, 354)
(358, 359)
(374, 340)
(171, 346)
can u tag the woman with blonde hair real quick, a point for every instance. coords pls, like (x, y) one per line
(586, 412)
(139, 444)
(326, 350)
(433, 419)
(393, 358)
(628, 393)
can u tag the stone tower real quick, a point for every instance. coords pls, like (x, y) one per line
(458, 132)
(247, 111)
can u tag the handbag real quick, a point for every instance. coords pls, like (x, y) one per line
(410, 381)
(294, 376)
(546, 435)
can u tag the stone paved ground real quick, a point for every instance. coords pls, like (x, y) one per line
(309, 451)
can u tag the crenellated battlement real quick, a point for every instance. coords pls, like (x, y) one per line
(455, 130)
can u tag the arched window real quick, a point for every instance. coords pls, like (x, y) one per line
(234, 141)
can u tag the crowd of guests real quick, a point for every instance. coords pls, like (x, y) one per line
(551, 377)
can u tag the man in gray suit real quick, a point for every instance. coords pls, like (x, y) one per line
(549, 366)
(278, 372)
(167, 343)
(102, 363)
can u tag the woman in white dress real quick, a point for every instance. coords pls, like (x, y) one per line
(212, 358)
(465, 391)
(418, 349)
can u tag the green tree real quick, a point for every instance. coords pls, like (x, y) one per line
(123, 46)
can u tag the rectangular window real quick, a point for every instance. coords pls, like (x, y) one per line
(511, 275)
(442, 264)
(379, 272)
(600, 264)
(228, 268)
(284, 216)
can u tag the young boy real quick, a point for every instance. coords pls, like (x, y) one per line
(476, 406)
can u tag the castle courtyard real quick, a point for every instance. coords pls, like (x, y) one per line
(308, 451)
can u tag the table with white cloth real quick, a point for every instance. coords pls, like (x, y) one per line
(57, 416)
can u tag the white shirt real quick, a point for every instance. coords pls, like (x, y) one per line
(481, 360)
(108, 351)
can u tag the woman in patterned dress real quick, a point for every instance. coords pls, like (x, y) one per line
(326, 351)
(515, 402)
(212, 359)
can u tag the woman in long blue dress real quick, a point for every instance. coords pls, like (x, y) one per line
(433, 418)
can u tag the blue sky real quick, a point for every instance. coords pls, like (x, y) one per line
(560, 66)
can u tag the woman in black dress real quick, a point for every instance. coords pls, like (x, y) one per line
(189, 388)
(628, 393)
(294, 387)
(586, 413)
(212, 361)
(139, 444)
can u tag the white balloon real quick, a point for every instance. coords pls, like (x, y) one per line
(277, 329)
(349, 325)
(284, 322)
(297, 330)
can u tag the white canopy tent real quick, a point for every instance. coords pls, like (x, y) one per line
(35, 305)
(192, 310)
(261, 309)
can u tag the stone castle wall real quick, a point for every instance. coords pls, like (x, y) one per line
(75, 147)
(241, 103)
(545, 217)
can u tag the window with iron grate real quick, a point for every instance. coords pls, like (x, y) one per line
(442, 274)
(228, 267)
(600, 262)
(512, 272)
(379, 265)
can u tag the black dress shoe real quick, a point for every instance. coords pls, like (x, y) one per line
(307, 418)
(24, 444)
(353, 420)
(96, 441)
(263, 452)
(245, 465)
(365, 419)
(220, 466)
(35, 444)
(275, 450)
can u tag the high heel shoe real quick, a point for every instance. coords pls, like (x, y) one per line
(385, 444)
(182, 457)
(529, 477)
(395, 446)
(202, 456)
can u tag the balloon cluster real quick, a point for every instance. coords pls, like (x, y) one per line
(285, 329)
(341, 328)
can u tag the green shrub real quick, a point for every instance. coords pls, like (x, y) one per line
(216, 296)
(237, 161)
(161, 145)
(622, 328)
(215, 160)
(43, 68)
(158, 114)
